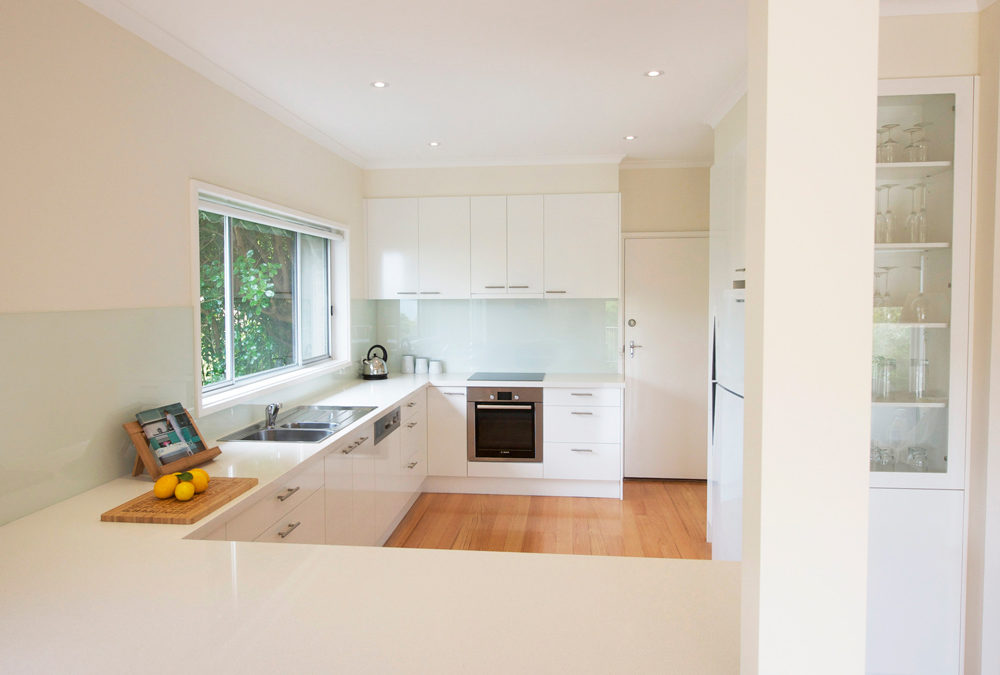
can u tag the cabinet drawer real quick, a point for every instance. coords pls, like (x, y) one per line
(286, 494)
(414, 405)
(582, 396)
(582, 424)
(305, 524)
(583, 461)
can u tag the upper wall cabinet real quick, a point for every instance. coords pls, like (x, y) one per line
(581, 245)
(519, 246)
(444, 247)
(418, 248)
(506, 246)
(392, 248)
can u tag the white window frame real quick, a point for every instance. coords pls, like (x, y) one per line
(267, 213)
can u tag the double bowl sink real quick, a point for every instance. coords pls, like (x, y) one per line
(303, 424)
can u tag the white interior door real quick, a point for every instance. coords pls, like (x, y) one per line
(666, 373)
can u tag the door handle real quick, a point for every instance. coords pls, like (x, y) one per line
(632, 346)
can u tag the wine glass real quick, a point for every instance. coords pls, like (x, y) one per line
(911, 150)
(881, 225)
(889, 146)
(920, 305)
(921, 146)
(922, 212)
(913, 218)
(890, 217)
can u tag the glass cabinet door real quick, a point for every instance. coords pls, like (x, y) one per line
(921, 283)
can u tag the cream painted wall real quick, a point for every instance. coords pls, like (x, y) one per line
(100, 136)
(805, 540)
(928, 45)
(731, 129)
(664, 200)
(490, 180)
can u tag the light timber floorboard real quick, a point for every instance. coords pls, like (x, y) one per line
(657, 519)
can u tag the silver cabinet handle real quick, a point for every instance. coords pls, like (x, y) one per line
(480, 406)
(555, 291)
(430, 292)
(581, 449)
(288, 531)
(530, 287)
(452, 393)
(406, 292)
(411, 404)
(579, 394)
(580, 413)
(288, 493)
(411, 425)
(362, 440)
(498, 287)
(411, 465)
(740, 269)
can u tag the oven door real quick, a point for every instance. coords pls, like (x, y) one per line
(505, 432)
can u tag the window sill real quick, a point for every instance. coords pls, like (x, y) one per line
(207, 404)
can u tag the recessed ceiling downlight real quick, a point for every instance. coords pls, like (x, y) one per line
(434, 144)
(379, 84)
(630, 138)
(653, 73)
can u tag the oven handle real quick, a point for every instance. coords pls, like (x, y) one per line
(487, 406)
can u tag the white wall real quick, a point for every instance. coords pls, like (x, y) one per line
(664, 200)
(100, 135)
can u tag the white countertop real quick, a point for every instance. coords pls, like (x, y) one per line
(80, 595)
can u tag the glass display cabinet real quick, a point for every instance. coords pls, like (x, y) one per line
(920, 337)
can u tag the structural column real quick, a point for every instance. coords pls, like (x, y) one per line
(811, 148)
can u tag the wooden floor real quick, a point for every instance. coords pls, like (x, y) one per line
(657, 519)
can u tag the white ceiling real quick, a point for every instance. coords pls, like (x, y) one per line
(514, 82)
(521, 81)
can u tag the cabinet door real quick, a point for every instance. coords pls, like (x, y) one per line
(350, 493)
(392, 248)
(488, 245)
(339, 487)
(524, 244)
(915, 566)
(444, 247)
(447, 433)
(581, 246)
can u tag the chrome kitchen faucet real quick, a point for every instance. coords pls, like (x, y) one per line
(271, 415)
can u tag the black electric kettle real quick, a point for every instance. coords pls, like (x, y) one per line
(375, 368)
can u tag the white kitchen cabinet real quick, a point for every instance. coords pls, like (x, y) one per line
(582, 461)
(488, 245)
(276, 502)
(915, 564)
(581, 246)
(349, 472)
(525, 245)
(580, 424)
(393, 248)
(443, 246)
(302, 525)
(413, 452)
(447, 434)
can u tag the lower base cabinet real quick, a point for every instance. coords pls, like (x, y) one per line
(350, 494)
(915, 563)
(305, 524)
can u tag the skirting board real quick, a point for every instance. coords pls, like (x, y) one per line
(546, 487)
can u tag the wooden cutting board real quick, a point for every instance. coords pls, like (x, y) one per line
(148, 509)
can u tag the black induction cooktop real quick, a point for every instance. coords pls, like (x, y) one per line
(508, 377)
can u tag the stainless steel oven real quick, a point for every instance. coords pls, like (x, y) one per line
(505, 425)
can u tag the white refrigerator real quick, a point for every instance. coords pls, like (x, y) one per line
(725, 471)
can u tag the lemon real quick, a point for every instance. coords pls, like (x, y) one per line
(165, 485)
(200, 479)
(184, 491)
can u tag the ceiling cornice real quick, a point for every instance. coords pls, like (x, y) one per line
(139, 25)
(915, 7)
(726, 102)
(630, 164)
(487, 162)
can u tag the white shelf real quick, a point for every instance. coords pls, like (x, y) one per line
(911, 169)
(910, 403)
(911, 324)
(910, 247)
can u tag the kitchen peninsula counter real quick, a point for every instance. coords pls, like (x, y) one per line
(82, 596)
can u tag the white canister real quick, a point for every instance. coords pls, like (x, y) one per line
(435, 367)
(421, 364)
(408, 363)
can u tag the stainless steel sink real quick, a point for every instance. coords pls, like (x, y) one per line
(302, 424)
(287, 435)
